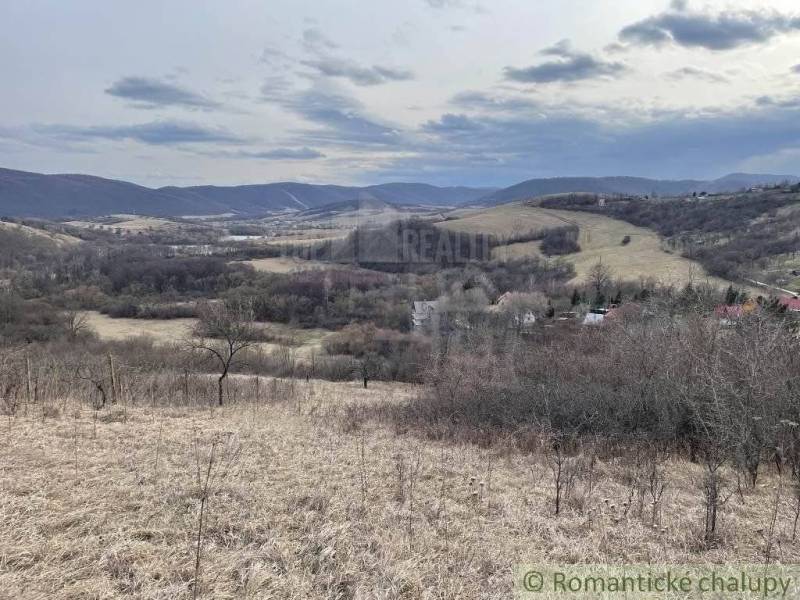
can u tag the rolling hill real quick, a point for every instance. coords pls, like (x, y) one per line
(600, 238)
(636, 186)
(37, 195)
(56, 196)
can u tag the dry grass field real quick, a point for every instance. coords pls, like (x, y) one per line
(129, 224)
(60, 239)
(504, 220)
(304, 342)
(284, 264)
(306, 501)
(171, 330)
(600, 239)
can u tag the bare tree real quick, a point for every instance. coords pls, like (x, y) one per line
(77, 324)
(599, 277)
(95, 376)
(222, 332)
(369, 366)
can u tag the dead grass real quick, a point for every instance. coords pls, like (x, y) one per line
(303, 342)
(128, 224)
(59, 239)
(108, 508)
(284, 264)
(109, 329)
(600, 239)
(506, 219)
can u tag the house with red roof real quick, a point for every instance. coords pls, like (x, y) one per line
(728, 313)
(792, 304)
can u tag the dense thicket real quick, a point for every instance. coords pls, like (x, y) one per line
(673, 216)
(560, 240)
(684, 380)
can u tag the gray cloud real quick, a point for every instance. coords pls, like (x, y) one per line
(444, 3)
(460, 4)
(450, 124)
(304, 153)
(150, 93)
(773, 102)
(157, 133)
(323, 62)
(697, 73)
(722, 31)
(280, 154)
(485, 101)
(374, 75)
(488, 148)
(796, 69)
(569, 66)
(316, 41)
(340, 119)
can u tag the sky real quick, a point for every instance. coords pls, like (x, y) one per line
(447, 92)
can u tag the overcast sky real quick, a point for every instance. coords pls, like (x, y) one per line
(449, 92)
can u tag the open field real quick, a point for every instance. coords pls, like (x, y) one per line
(600, 239)
(60, 239)
(171, 330)
(306, 502)
(128, 223)
(782, 271)
(312, 235)
(284, 264)
(372, 217)
(504, 220)
(304, 341)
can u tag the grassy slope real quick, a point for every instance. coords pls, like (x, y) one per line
(60, 239)
(600, 238)
(283, 264)
(129, 223)
(176, 330)
(108, 507)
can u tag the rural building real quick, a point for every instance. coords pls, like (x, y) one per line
(423, 314)
(522, 320)
(728, 313)
(791, 303)
(596, 316)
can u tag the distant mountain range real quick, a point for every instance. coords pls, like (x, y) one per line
(36, 195)
(51, 196)
(636, 186)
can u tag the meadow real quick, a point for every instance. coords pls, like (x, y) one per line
(303, 490)
(600, 239)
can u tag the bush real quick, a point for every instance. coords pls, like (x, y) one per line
(561, 240)
(403, 354)
(29, 320)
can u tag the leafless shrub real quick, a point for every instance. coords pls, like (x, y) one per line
(565, 465)
(211, 467)
(222, 333)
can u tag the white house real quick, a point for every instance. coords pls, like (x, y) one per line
(522, 319)
(423, 314)
(596, 316)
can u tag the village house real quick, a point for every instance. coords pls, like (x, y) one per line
(424, 313)
(730, 313)
(523, 319)
(596, 316)
(791, 303)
